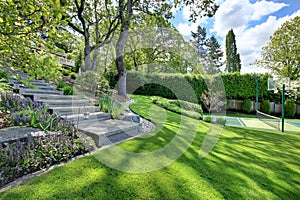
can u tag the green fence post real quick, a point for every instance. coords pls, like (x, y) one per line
(256, 89)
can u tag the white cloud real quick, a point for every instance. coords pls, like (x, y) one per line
(186, 28)
(263, 8)
(237, 14)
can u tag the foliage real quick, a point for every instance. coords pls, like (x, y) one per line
(237, 86)
(208, 50)
(105, 103)
(290, 108)
(66, 72)
(221, 121)
(3, 75)
(4, 86)
(212, 100)
(247, 105)
(28, 155)
(233, 61)
(73, 75)
(117, 109)
(265, 106)
(207, 119)
(91, 81)
(34, 153)
(60, 85)
(68, 90)
(109, 105)
(181, 107)
(28, 31)
(215, 55)
(281, 54)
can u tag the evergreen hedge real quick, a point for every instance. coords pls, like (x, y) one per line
(237, 86)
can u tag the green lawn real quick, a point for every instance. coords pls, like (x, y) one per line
(245, 164)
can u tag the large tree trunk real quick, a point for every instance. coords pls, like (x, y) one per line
(95, 61)
(119, 61)
(87, 56)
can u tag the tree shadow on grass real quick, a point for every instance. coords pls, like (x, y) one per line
(251, 164)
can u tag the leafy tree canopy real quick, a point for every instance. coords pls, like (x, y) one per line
(282, 54)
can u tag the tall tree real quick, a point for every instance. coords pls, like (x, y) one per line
(233, 61)
(215, 55)
(96, 22)
(282, 53)
(200, 42)
(156, 8)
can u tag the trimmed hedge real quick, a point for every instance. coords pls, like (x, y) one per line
(290, 107)
(237, 86)
(247, 106)
(265, 106)
(181, 107)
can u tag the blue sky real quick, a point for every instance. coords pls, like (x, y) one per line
(253, 22)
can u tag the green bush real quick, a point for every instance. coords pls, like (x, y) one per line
(73, 75)
(247, 105)
(105, 103)
(207, 119)
(290, 108)
(91, 81)
(60, 85)
(3, 75)
(180, 107)
(221, 121)
(265, 106)
(68, 90)
(65, 72)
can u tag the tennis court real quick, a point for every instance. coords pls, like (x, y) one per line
(289, 126)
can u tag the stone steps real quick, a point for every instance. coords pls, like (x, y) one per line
(42, 97)
(98, 116)
(98, 125)
(63, 111)
(64, 103)
(37, 91)
(110, 131)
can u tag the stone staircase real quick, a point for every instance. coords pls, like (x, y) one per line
(81, 111)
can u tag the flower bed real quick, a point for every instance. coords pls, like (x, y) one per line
(26, 155)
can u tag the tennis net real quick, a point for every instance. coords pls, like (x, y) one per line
(270, 120)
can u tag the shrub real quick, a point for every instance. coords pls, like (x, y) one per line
(73, 75)
(290, 108)
(180, 107)
(207, 119)
(221, 121)
(65, 72)
(105, 103)
(68, 90)
(247, 105)
(3, 75)
(91, 81)
(61, 85)
(265, 106)
(117, 110)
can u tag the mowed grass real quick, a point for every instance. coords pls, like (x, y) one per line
(245, 164)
